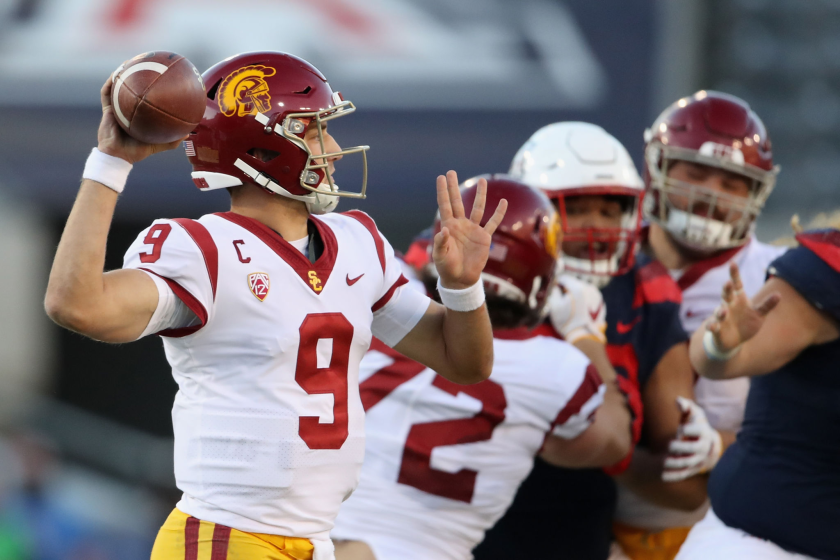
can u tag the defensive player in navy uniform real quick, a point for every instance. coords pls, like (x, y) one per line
(776, 491)
(563, 513)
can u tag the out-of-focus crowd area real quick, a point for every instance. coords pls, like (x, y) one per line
(85, 432)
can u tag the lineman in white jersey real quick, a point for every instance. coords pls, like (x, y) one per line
(709, 168)
(267, 310)
(443, 462)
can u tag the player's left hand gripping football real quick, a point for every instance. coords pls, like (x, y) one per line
(462, 246)
(114, 141)
(737, 320)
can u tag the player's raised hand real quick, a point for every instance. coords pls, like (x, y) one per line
(737, 319)
(462, 246)
(114, 141)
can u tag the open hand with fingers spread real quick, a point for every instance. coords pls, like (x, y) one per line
(736, 320)
(462, 246)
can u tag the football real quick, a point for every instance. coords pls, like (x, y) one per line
(158, 97)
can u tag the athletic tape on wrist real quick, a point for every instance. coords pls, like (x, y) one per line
(468, 299)
(107, 170)
(712, 350)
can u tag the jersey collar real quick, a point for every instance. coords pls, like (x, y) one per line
(314, 275)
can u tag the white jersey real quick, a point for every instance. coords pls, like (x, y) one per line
(269, 426)
(723, 401)
(443, 461)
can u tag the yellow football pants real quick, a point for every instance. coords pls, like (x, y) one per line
(641, 544)
(186, 538)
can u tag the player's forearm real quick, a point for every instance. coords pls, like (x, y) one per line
(76, 284)
(703, 365)
(468, 345)
(597, 354)
(604, 443)
(615, 420)
(457, 345)
(644, 477)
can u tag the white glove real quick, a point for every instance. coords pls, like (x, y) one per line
(697, 447)
(577, 310)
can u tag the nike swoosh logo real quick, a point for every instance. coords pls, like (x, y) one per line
(351, 281)
(624, 328)
(690, 313)
(594, 314)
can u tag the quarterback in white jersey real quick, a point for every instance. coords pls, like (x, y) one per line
(709, 170)
(443, 462)
(267, 310)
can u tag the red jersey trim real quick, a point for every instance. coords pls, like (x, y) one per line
(824, 244)
(655, 285)
(189, 300)
(370, 225)
(524, 333)
(401, 281)
(417, 255)
(209, 251)
(322, 268)
(696, 271)
(588, 387)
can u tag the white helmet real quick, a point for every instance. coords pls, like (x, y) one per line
(576, 158)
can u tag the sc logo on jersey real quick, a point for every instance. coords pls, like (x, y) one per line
(259, 284)
(315, 282)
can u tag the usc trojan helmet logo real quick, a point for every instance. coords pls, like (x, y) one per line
(552, 234)
(245, 91)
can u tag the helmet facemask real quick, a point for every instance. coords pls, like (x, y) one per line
(316, 176)
(697, 217)
(619, 243)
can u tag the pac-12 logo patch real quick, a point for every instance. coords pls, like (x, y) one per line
(259, 284)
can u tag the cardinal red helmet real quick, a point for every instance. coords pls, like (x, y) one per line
(718, 130)
(258, 108)
(525, 247)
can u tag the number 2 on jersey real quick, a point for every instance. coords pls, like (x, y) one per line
(416, 469)
(325, 380)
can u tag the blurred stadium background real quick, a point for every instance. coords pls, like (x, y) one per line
(85, 432)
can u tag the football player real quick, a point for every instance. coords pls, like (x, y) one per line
(776, 492)
(266, 310)
(709, 170)
(590, 177)
(442, 461)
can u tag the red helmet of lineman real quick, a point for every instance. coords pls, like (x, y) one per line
(717, 130)
(525, 247)
(258, 108)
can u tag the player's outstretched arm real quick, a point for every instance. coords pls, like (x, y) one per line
(112, 307)
(755, 337)
(457, 344)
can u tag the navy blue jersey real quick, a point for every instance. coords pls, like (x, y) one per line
(781, 480)
(565, 513)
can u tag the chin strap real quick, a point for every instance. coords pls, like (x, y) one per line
(316, 203)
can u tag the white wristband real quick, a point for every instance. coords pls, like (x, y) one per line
(108, 170)
(468, 299)
(712, 350)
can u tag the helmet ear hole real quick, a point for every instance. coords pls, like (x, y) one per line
(262, 154)
(211, 93)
